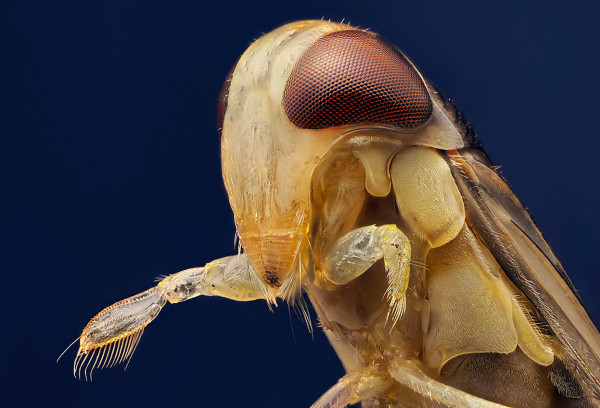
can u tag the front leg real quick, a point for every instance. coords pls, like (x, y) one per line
(356, 387)
(359, 249)
(113, 334)
(432, 392)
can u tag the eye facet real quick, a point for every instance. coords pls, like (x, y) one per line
(354, 76)
(222, 100)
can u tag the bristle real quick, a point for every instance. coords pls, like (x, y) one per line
(111, 353)
(81, 365)
(75, 366)
(122, 351)
(105, 355)
(80, 362)
(291, 288)
(419, 265)
(110, 350)
(63, 353)
(95, 363)
(126, 348)
(130, 346)
(301, 309)
(136, 342)
(102, 359)
(119, 350)
(91, 357)
(395, 312)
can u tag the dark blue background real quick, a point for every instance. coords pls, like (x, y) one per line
(109, 164)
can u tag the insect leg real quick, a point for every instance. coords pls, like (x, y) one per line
(231, 277)
(337, 396)
(355, 387)
(117, 329)
(408, 374)
(359, 249)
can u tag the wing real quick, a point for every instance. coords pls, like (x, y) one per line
(501, 222)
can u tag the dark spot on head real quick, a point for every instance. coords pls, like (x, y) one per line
(271, 279)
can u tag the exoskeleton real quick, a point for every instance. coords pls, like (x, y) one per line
(357, 183)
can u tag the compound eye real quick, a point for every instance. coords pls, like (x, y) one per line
(222, 100)
(353, 76)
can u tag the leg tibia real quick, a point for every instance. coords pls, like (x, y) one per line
(358, 250)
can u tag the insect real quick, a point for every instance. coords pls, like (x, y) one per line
(357, 183)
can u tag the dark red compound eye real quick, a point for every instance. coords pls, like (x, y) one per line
(222, 99)
(354, 76)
